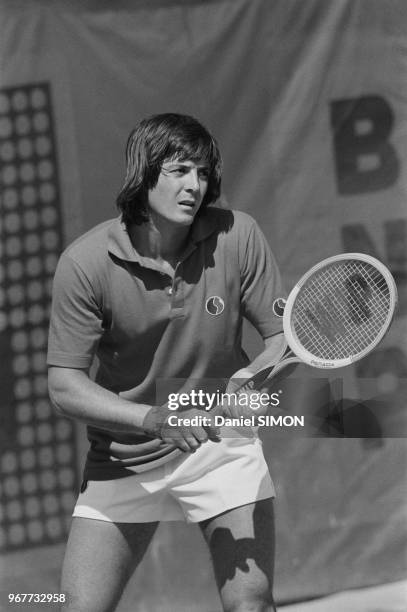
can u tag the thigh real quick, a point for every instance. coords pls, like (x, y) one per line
(99, 559)
(241, 543)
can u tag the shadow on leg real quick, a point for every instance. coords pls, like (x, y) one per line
(241, 542)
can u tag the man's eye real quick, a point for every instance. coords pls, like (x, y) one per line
(203, 173)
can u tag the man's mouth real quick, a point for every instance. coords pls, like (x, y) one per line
(189, 203)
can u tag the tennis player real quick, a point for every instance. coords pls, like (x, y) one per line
(158, 296)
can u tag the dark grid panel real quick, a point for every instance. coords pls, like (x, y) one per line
(37, 448)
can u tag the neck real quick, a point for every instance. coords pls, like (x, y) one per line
(159, 239)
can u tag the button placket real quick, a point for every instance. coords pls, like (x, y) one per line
(177, 302)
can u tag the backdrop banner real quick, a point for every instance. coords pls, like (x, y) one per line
(308, 101)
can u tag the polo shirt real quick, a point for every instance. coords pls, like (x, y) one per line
(147, 328)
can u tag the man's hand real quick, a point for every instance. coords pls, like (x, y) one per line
(246, 404)
(238, 379)
(176, 428)
(275, 347)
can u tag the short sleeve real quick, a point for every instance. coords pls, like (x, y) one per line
(261, 284)
(76, 318)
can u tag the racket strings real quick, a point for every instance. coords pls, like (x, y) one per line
(341, 309)
(334, 320)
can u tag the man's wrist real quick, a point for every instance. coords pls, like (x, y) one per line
(154, 420)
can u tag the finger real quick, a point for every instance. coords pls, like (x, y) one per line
(201, 435)
(178, 442)
(192, 441)
(213, 432)
(238, 379)
(209, 427)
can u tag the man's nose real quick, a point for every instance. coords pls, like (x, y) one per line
(192, 180)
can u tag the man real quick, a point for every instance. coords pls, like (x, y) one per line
(158, 296)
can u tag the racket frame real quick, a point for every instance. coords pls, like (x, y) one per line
(313, 360)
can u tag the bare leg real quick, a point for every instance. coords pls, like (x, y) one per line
(100, 558)
(241, 542)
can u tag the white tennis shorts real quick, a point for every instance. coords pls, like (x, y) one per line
(219, 476)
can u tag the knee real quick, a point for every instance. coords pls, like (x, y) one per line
(248, 595)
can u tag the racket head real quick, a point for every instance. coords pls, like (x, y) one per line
(340, 310)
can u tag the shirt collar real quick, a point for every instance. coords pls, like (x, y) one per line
(120, 245)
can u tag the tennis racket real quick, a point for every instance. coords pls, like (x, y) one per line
(336, 314)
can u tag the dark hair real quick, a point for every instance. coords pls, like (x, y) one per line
(155, 140)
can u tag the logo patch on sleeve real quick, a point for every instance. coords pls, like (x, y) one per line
(278, 306)
(214, 305)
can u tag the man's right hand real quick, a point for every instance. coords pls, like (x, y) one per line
(175, 427)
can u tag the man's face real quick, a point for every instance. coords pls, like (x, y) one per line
(179, 191)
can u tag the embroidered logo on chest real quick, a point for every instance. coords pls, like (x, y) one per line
(214, 305)
(278, 307)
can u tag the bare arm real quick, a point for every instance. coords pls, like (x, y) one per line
(274, 349)
(76, 396)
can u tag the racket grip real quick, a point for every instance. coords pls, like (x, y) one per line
(251, 384)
